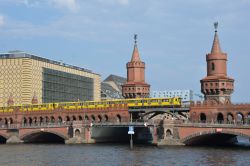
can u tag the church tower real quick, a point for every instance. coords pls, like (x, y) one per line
(217, 86)
(135, 87)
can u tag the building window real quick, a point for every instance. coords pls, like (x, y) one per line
(60, 86)
(213, 66)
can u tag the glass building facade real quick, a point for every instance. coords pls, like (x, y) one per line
(60, 86)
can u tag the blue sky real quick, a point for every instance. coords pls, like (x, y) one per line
(173, 36)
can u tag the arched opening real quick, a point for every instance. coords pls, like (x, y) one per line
(203, 118)
(80, 118)
(213, 66)
(41, 120)
(24, 121)
(99, 118)
(240, 118)
(93, 118)
(230, 118)
(35, 120)
(77, 132)
(6, 121)
(220, 118)
(52, 119)
(2, 140)
(212, 139)
(118, 118)
(169, 133)
(106, 118)
(46, 120)
(10, 121)
(86, 119)
(73, 118)
(59, 119)
(248, 118)
(43, 137)
(30, 121)
(67, 119)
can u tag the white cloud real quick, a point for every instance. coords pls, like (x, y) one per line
(120, 2)
(70, 4)
(1, 20)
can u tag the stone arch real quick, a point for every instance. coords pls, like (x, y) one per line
(86, 118)
(118, 118)
(93, 118)
(248, 118)
(77, 133)
(30, 120)
(10, 121)
(59, 119)
(99, 118)
(46, 119)
(230, 118)
(3, 138)
(67, 119)
(24, 121)
(106, 118)
(41, 120)
(33, 134)
(203, 118)
(239, 118)
(80, 118)
(52, 119)
(220, 118)
(35, 120)
(211, 133)
(6, 121)
(169, 133)
(73, 118)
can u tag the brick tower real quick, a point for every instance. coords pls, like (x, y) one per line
(217, 86)
(135, 87)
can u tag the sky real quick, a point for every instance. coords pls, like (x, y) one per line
(174, 37)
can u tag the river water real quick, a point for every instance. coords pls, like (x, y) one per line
(120, 154)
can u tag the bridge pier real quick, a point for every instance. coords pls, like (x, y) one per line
(81, 135)
(167, 133)
(13, 137)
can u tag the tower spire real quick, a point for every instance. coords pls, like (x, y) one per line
(135, 55)
(216, 43)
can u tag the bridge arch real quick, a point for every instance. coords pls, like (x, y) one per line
(220, 117)
(99, 118)
(230, 118)
(59, 119)
(106, 118)
(39, 136)
(240, 117)
(203, 117)
(213, 137)
(118, 118)
(248, 118)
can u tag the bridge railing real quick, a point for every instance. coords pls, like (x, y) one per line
(216, 123)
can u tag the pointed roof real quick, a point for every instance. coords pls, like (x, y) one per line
(135, 55)
(216, 43)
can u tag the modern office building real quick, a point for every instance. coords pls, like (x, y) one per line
(24, 77)
(186, 95)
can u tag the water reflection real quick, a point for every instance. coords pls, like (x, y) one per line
(117, 154)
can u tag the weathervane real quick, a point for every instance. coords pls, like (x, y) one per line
(216, 26)
(135, 37)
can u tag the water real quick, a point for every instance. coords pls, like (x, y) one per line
(120, 155)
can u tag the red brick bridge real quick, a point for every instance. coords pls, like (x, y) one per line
(79, 125)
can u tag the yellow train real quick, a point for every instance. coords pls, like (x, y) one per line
(131, 103)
